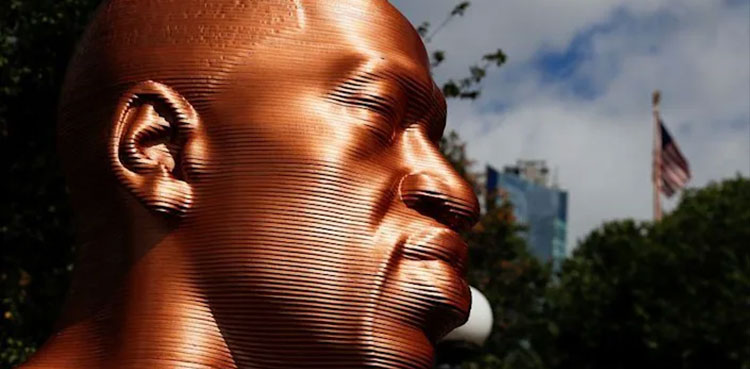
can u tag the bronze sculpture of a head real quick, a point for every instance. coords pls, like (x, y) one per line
(258, 185)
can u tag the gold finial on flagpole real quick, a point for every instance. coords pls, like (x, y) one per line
(656, 98)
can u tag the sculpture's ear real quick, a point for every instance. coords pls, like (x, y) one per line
(150, 147)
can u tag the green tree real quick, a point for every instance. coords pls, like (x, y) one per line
(470, 86)
(672, 294)
(454, 150)
(675, 294)
(36, 41)
(514, 281)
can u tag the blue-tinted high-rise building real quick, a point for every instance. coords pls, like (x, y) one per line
(543, 209)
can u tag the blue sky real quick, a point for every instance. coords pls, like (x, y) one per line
(576, 91)
(565, 66)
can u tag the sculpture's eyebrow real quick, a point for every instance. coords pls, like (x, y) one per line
(427, 102)
(384, 88)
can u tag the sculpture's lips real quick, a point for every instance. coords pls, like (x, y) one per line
(440, 244)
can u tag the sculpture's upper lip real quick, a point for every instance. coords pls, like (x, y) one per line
(438, 243)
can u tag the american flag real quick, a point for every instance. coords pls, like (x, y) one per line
(674, 169)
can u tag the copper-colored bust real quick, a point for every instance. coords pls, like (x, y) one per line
(258, 185)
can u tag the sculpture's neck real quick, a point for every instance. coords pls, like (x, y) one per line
(157, 317)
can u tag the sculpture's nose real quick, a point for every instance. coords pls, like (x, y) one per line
(446, 198)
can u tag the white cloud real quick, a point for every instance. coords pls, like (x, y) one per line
(697, 52)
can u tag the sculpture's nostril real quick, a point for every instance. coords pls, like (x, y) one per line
(448, 204)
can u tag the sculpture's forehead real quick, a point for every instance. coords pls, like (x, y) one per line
(368, 26)
(232, 28)
(329, 40)
(165, 39)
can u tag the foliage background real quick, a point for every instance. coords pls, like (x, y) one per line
(671, 295)
(36, 39)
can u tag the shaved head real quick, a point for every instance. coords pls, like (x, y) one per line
(169, 40)
(258, 185)
(190, 45)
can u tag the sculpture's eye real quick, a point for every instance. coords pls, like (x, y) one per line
(381, 118)
(377, 104)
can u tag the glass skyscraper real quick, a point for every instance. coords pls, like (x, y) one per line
(543, 209)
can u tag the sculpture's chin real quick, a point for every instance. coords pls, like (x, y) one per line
(432, 300)
(448, 297)
(452, 318)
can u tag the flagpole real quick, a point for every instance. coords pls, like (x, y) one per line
(656, 159)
